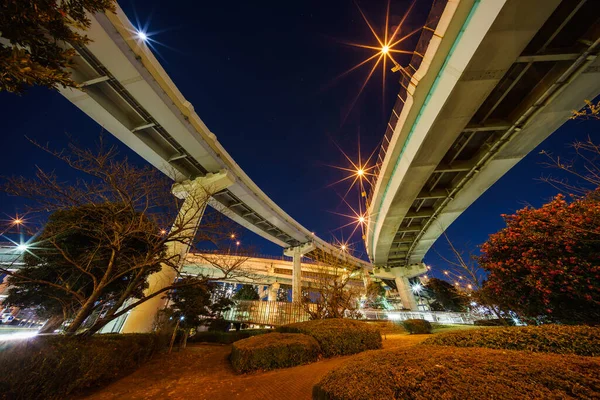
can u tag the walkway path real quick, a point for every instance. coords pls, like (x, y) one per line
(203, 372)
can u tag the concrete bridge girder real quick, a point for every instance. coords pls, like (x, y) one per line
(495, 37)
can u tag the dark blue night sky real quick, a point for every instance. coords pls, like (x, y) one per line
(262, 76)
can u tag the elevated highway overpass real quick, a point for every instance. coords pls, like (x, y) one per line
(126, 91)
(492, 79)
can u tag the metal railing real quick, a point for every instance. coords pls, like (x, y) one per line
(427, 34)
(277, 313)
(431, 316)
(272, 313)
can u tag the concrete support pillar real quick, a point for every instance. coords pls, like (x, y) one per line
(296, 254)
(273, 289)
(262, 293)
(297, 276)
(406, 294)
(196, 195)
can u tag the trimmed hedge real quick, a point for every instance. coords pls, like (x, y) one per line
(433, 372)
(54, 367)
(225, 337)
(561, 339)
(494, 322)
(417, 326)
(338, 336)
(274, 350)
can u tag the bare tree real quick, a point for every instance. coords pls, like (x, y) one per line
(464, 273)
(109, 230)
(331, 293)
(590, 111)
(227, 265)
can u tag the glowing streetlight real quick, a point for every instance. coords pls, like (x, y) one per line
(361, 219)
(22, 247)
(343, 247)
(385, 49)
(142, 35)
(163, 232)
(417, 288)
(17, 221)
(237, 243)
(233, 236)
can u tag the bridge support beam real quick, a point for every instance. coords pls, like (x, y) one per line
(273, 289)
(296, 253)
(406, 295)
(196, 195)
(401, 276)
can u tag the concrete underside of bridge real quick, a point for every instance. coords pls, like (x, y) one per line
(504, 76)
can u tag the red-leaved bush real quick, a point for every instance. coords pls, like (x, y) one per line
(546, 262)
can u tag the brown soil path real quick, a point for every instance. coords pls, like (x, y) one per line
(203, 372)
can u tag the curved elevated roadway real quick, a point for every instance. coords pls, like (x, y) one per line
(495, 79)
(126, 91)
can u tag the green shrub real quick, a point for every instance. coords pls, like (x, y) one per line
(53, 367)
(562, 339)
(433, 372)
(225, 337)
(417, 326)
(274, 350)
(338, 336)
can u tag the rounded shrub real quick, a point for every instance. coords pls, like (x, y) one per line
(433, 372)
(417, 326)
(338, 336)
(562, 339)
(273, 350)
(56, 367)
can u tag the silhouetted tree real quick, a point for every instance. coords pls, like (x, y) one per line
(375, 296)
(194, 304)
(446, 297)
(35, 39)
(104, 236)
(246, 292)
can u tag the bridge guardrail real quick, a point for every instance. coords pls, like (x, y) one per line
(277, 313)
(428, 31)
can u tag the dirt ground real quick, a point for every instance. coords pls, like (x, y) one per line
(203, 372)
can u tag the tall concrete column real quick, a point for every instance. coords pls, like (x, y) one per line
(273, 289)
(296, 254)
(406, 294)
(196, 195)
(297, 276)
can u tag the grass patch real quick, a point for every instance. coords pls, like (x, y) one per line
(561, 339)
(274, 350)
(54, 367)
(338, 336)
(434, 372)
(225, 337)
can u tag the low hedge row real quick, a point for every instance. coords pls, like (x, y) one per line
(274, 350)
(338, 336)
(562, 339)
(417, 326)
(434, 372)
(53, 367)
(225, 337)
